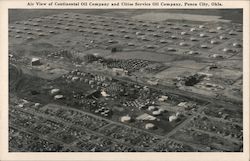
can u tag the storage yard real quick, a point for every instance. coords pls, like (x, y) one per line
(86, 81)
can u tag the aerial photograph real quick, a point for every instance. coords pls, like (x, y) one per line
(125, 80)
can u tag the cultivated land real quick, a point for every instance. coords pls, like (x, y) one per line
(87, 81)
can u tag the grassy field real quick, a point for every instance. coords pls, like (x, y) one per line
(235, 15)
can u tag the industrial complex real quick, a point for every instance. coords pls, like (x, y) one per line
(125, 81)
